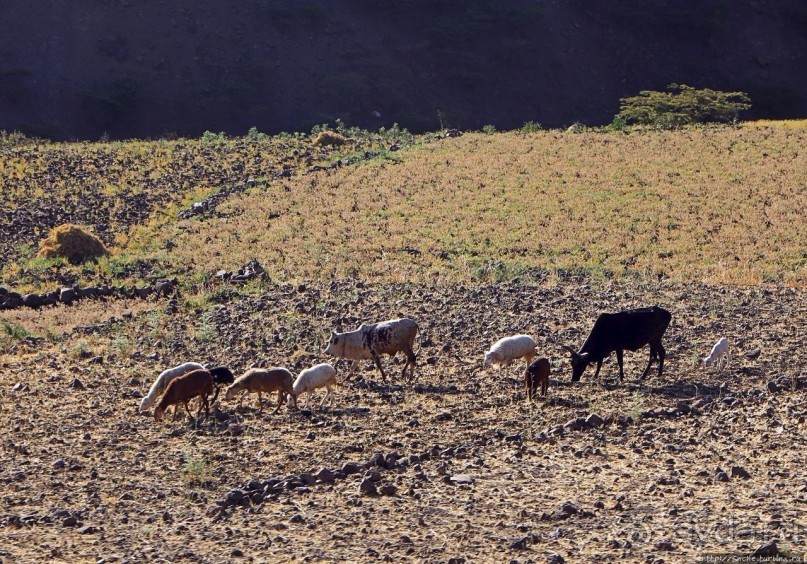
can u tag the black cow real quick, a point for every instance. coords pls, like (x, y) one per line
(627, 330)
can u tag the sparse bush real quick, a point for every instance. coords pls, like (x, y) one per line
(531, 127)
(489, 129)
(14, 332)
(72, 242)
(682, 106)
(214, 138)
(256, 136)
(618, 124)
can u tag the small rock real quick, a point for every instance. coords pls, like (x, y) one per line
(722, 477)
(594, 420)
(368, 487)
(59, 464)
(462, 479)
(753, 354)
(70, 521)
(388, 489)
(373, 475)
(520, 544)
(351, 468)
(575, 424)
(236, 553)
(767, 549)
(87, 530)
(76, 383)
(740, 472)
(325, 476)
(555, 558)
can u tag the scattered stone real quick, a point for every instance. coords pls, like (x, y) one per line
(351, 468)
(575, 424)
(59, 464)
(768, 549)
(740, 472)
(325, 476)
(462, 479)
(753, 354)
(388, 489)
(76, 383)
(368, 487)
(594, 420)
(722, 477)
(87, 530)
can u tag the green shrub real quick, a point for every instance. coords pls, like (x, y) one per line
(683, 105)
(531, 127)
(489, 129)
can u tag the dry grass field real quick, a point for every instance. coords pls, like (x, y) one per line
(475, 237)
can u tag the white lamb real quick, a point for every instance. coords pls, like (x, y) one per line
(159, 385)
(508, 349)
(319, 376)
(719, 354)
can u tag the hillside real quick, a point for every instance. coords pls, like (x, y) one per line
(475, 237)
(150, 69)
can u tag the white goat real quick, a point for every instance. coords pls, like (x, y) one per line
(719, 355)
(319, 376)
(508, 349)
(162, 381)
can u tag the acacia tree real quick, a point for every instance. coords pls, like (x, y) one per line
(681, 106)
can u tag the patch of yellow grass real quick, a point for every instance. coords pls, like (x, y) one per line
(784, 123)
(721, 204)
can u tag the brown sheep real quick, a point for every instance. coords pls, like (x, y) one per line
(182, 389)
(537, 373)
(259, 380)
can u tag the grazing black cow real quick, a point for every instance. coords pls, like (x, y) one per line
(627, 330)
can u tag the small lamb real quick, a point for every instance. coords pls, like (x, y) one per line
(508, 349)
(537, 374)
(719, 355)
(319, 376)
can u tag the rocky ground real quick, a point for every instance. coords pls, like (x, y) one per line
(457, 466)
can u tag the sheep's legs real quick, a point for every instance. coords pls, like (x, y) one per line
(260, 403)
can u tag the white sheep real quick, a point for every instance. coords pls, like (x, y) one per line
(319, 376)
(508, 349)
(162, 381)
(719, 354)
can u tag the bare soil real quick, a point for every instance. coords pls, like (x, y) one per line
(85, 477)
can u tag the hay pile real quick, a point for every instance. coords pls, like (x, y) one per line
(72, 242)
(326, 138)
